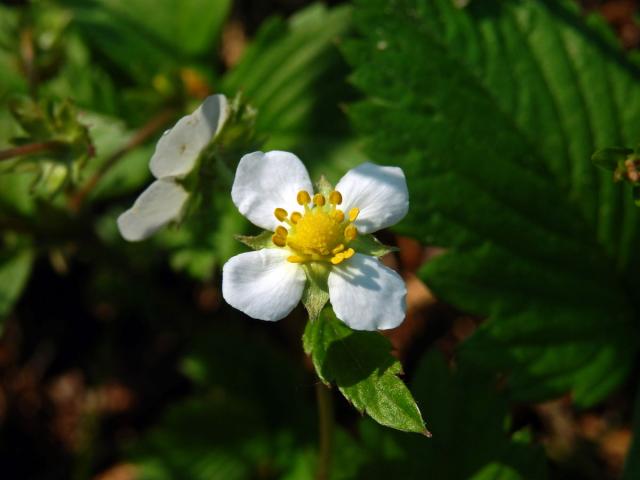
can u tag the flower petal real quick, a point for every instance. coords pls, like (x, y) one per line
(266, 181)
(379, 192)
(178, 149)
(263, 284)
(366, 295)
(158, 205)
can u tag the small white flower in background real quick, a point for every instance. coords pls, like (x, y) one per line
(273, 191)
(175, 157)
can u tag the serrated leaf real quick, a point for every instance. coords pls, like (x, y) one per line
(493, 112)
(294, 75)
(362, 367)
(470, 424)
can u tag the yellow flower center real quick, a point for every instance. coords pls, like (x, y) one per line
(321, 233)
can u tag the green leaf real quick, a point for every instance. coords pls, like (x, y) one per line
(294, 75)
(15, 267)
(493, 111)
(144, 37)
(361, 365)
(470, 425)
(241, 423)
(609, 158)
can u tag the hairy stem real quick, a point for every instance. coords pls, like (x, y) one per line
(29, 149)
(325, 429)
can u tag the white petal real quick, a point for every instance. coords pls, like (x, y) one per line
(266, 181)
(379, 192)
(366, 295)
(158, 205)
(262, 284)
(178, 149)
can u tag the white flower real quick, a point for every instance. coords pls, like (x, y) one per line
(273, 191)
(175, 157)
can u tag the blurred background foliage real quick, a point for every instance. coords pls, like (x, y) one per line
(120, 361)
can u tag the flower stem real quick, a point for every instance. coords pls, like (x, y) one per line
(325, 430)
(29, 149)
(138, 138)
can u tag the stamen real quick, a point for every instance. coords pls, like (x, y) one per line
(338, 215)
(295, 217)
(322, 232)
(339, 258)
(279, 241)
(350, 232)
(335, 198)
(280, 214)
(303, 197)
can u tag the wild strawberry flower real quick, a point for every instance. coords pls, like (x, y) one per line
(274, 192)
(176, 155)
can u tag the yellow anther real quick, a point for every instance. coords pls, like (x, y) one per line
(295, 217)
(279, 241)
(281, 231)
(296, 259)
(338, 215)
(318, 199)
(280, 214)
(303, 197)
(349, 253)
(337, 259)
(338, 249)
(353, 214)
(350, 232)
(335, 198)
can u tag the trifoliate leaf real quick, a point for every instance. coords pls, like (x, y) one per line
(362, 367)
(493, 112)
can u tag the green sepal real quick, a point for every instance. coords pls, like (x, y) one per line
(363, 369)
(257, 242)
(611, 157)
(324, 186)
(316, 293)
(370, 245)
